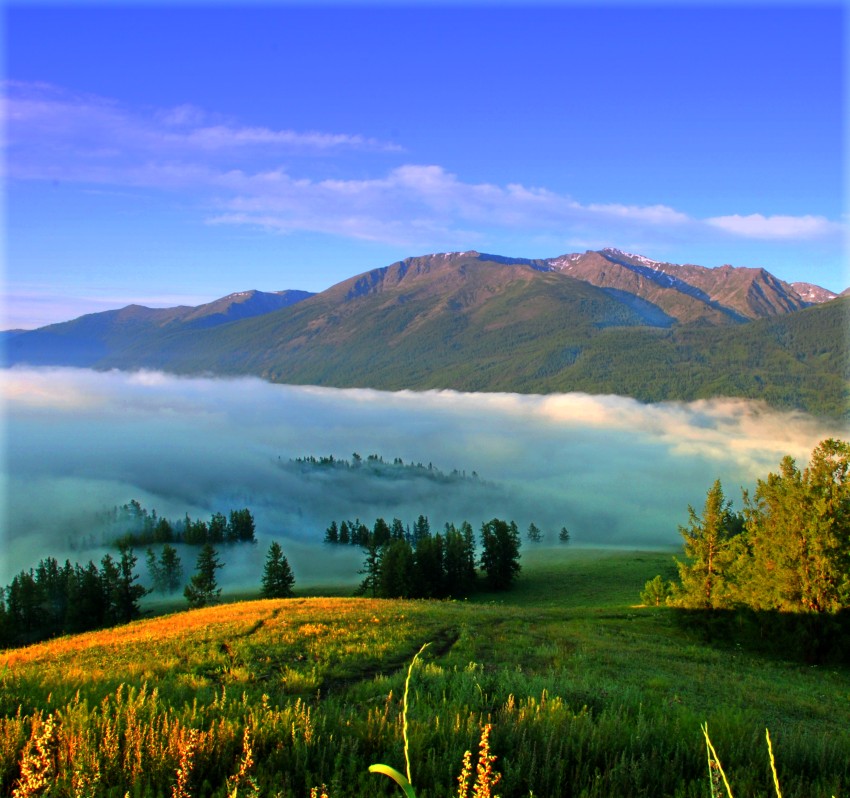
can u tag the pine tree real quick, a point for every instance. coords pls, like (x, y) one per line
(655, 592)
(217, 529)
(128, 592)
(711, 546)
(459, 560)
(154, 572)
(203, 588)
(500, 553)
(564, 535)
(534, 534)
(110, 576)
(240, 528)
(277, 575)
(798, 529)
(396, 573)
(171, 567)
(371, 570)
(381, 532)
(332, 534)
(429, 575)
(344, 534)
(421, 529)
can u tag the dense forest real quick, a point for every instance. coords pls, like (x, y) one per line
(132, 525)
(55, 598)
(52, 599)
(424, 565)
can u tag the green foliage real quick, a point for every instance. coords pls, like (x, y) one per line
(166, 572)
(397, 570)
(711, 546)
(419, 564)
(375, 466)
(656, 592)
(55, 599)
(791, 550)
(278, 579)
(534, 534)
(798, 530)
(132, 525)
(203, 588)
(500, 555)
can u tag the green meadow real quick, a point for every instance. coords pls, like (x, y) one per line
(588, 694)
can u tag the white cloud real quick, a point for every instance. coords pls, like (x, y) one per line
(776, 227)
(413, 202)
(651, 214)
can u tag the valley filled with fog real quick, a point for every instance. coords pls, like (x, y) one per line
(613, 471)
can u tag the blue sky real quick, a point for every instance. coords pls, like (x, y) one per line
(168, 154)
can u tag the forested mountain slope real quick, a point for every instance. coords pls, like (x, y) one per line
(600, 322)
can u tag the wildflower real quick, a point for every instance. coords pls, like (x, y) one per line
(37, 762)
(485, 778)
(465, 773)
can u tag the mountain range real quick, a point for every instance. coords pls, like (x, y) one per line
(600, 321)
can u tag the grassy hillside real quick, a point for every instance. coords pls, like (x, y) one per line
(588, 695)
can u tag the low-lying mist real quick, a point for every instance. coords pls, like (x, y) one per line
(613, 471)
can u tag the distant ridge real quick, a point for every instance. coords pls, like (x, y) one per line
(603, 321)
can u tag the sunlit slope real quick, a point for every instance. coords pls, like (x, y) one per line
(587, 694)
(492, 327)
(598, 323)
(686, 292)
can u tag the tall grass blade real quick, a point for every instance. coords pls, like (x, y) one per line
(714, 761)
(404, 709)
(772, 764)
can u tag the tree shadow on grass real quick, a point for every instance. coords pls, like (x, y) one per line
(811, 638)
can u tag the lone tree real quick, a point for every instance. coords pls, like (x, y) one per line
(203, 588)
(534, 533)
(277, 575)
(655, 592)
(564, 535)
(500, 553)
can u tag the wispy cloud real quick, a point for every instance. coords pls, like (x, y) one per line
(776, 227)
(414, 202)
(48, 125)
(233, 173)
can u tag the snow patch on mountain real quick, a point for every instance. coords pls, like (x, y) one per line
(813, 293)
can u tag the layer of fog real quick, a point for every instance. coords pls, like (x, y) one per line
(613, 471)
